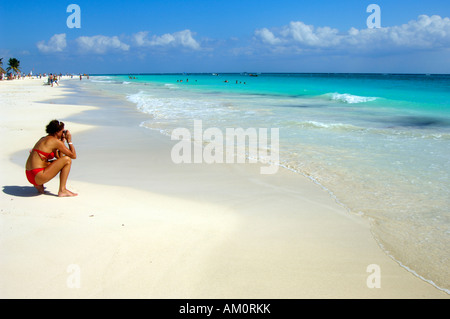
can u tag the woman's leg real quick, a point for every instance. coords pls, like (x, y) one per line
(63, 176)
(61, 165)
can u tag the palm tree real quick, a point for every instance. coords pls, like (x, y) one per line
(14, 65)
(1, 69)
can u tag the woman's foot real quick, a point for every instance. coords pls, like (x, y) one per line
(66, 193)
(40, 188)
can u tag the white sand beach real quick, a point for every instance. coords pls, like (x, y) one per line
(144, 227)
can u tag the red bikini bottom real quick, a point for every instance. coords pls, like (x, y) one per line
(31, 175)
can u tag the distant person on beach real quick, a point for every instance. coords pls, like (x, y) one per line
(49, 157)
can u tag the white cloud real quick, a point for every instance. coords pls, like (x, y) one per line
(177, 39)
(424, 33)
(57, 43)
(100, 44)
(140, 38)
(267, 36)
(309, 36)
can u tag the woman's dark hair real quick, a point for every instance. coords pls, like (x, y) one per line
(54, 127)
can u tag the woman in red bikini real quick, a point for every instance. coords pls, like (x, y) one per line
(40, 166)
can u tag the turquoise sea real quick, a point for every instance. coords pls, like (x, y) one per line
(378, 143)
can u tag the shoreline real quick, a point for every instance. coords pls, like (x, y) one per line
(161, 230)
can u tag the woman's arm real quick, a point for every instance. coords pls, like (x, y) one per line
(68, 151)
(57, 151)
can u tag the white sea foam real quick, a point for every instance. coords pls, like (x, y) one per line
(101, 81)
(346, 127)
(140, 99)
(170, 86)
(178, 108)
(350, 98)
(342, 126)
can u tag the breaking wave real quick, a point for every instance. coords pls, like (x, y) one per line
(349, 98)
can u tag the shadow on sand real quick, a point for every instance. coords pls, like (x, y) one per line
(23, 191)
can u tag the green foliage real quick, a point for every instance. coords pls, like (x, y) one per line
(13, 65)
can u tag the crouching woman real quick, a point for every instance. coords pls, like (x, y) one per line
(49, 157)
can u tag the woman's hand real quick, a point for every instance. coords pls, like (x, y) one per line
(68, 136)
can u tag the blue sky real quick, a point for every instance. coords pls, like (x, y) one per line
(227, 36)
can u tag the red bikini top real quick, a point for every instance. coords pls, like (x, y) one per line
(47, 155)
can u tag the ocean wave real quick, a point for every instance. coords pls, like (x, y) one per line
(388, 131)
(331, 126)
(171, 86)
(176, 108)
(349, 98)
(140, 99)
(101, 81)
